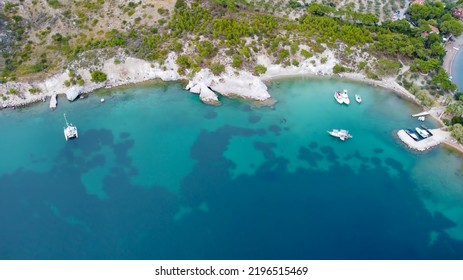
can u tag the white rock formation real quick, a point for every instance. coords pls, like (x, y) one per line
(200, 84)
(243, 84)
(73, 92)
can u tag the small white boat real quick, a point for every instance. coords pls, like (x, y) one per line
(423, 133)
(338, 97)
(340, 133)
(70, 131)
(358, 98)
(345, 97)
(422, 118)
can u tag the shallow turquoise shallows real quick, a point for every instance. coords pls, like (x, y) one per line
(156, 174)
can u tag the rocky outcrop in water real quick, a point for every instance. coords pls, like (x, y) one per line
(243, 84)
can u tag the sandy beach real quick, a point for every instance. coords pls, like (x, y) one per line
(452, 49)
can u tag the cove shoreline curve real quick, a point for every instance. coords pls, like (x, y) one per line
(241, 84)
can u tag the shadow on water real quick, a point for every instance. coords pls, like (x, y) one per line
(272, 214)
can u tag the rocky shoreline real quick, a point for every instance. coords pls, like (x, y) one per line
(128, 70)
(230, 83)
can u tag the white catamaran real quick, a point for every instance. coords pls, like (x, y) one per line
(340, 133)
(70, 131)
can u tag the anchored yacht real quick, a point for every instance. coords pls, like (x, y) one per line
(340, 133)
(70, 131)
(338, 97)
(345, 97)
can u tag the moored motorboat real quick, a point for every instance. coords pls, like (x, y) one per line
(427, 130)
(70, 131)
(338, 97)
(340, 133)
(345, 97)
(423, 133)
(412, 134)
(358, 98)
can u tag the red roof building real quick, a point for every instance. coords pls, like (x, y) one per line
(458, 13)
(434, 29)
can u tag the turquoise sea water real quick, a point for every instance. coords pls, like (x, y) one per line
(156, 174)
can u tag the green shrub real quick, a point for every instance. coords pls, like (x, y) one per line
(371, 75)
(184, 61)
(338, 69)
(457, 119)
(457, 132)
(283, 54)
(99, 76)
(57, 37)
(8, 7)
(163, 11)
(388, 67)
(294, 48)
(12, 91)
(362, 65)
(38, 67)
(237, 61)
(424, 97)
(217, 68)
(34, 90)
(260, 69)
(55, 4)
(206, 49)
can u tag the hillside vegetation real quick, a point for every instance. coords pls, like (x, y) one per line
(47, 36)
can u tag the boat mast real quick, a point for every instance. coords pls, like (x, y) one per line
(67, 124)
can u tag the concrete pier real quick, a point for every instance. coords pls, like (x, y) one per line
(439, 136)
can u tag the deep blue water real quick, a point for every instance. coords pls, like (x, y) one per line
(156, 174)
